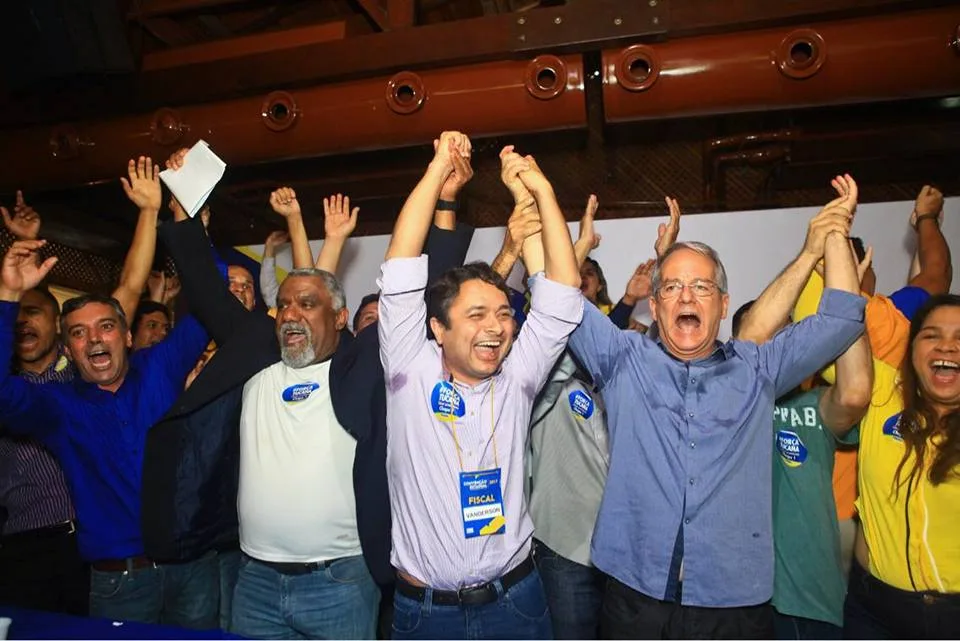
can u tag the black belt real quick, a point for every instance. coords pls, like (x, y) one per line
(49, 532)
(474, 595)
(298, 568)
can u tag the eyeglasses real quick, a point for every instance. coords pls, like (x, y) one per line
(700, 288)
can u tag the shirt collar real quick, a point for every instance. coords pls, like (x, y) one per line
(720, 353)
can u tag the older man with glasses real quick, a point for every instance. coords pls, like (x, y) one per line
(684, 529)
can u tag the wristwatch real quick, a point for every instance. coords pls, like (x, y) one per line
(447, 205)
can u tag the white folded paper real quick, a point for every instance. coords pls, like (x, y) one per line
(192, 184)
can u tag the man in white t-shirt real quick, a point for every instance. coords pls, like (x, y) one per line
(304, 572)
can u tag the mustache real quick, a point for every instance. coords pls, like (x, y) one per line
(290, 327)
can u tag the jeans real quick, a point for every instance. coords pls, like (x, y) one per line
(574, 593)
(875, 610)
(340, 601)
(628, 614)
(520, 613)
(229, 567)
(799, 628)
(186, 595)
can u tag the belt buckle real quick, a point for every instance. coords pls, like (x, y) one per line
(475, 589)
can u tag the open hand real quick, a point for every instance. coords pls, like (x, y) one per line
(20, 270)
(667, 232)
(640, 285)
(142, 184)
(339, 220)
(25, 222)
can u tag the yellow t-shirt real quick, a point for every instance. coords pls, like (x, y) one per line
(915, 532)
(930, 517)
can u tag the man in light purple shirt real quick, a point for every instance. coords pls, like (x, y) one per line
(458, 410)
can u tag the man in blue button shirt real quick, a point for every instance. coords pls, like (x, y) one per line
(96, 425)
(684, 529)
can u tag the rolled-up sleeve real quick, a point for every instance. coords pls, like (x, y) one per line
(555, 311)
(402, 326)
(803, 348)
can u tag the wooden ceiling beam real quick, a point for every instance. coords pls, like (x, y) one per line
(375, 10)
(576, 26)
(155, 8)
(210, 54)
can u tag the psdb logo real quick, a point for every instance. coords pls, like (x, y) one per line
(299, 392)
(581, 404)
(891, 427)
(791, 448)
(446, 402)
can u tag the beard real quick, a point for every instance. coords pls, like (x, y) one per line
(296, 356)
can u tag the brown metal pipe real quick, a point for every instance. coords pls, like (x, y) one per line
(543, 94)
(908, 55)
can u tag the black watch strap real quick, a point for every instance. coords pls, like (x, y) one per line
(447, 205)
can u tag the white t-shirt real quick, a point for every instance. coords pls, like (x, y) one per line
(296, 500)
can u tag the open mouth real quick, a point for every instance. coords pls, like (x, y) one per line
(488, 350)
(27, 338)
(945, 372)
(688, 322)
(294, 336)
(99, 359)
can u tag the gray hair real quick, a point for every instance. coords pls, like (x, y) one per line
(337, 298)
(719, 275)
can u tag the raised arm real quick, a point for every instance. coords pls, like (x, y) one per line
(524, 223)
(339, 221)
(445, 212)
(843, 404)
(24, 407)
(413, 223)
(560, 262)
(805, 347)
(284, 202)
(588, 239)
(933, 253)
(772, 309)
(207, 292)
(142, 187)
(269, 284)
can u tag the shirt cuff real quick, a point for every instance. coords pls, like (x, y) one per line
(841, 304)
(268, 260)
(555, 299)
(402, 275)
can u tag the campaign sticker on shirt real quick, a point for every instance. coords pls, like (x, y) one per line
(891, 427)
(581, 404)
(299, 392)
(791, 448)
(446, 402)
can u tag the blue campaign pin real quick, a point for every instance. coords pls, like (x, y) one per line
(446, 402)
(791, 448)
(581, 404)
(299, 392)
(891, 427)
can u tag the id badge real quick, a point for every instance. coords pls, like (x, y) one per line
(481, 500)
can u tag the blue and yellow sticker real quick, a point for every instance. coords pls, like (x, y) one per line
(791, 448)
(446, 402)
(580, 404)
(299, 392)
(891, 427)
(481, 502)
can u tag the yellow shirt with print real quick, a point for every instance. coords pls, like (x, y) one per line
(913, 537)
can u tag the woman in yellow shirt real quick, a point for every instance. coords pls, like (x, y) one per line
(906, 579)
